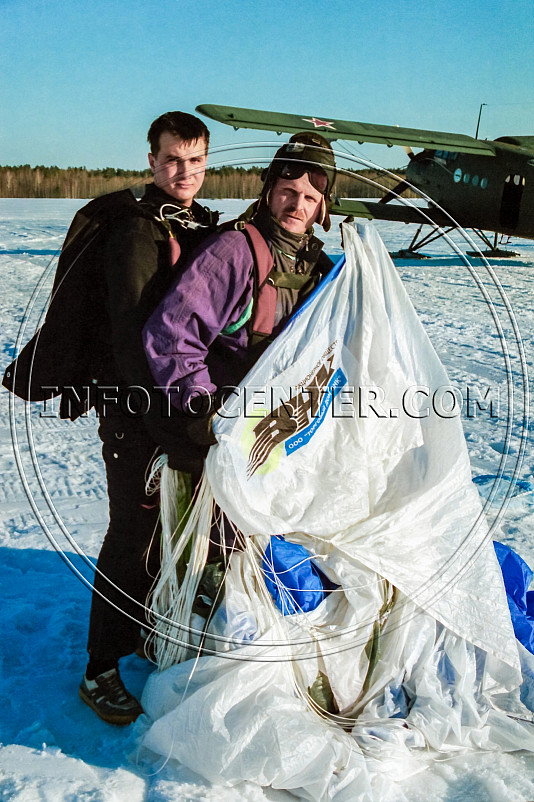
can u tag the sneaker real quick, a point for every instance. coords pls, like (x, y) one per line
(110, 700)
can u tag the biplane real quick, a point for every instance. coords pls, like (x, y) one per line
(478, 184)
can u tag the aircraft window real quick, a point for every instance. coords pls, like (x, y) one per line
(457, 175)
(474, 180)
(483, 183)
(466, 178)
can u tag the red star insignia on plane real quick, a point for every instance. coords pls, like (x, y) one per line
(319, 123)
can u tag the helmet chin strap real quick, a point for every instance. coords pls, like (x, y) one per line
(323, 212)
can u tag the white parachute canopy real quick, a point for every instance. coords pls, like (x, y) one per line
(349, 466)
(346, 437)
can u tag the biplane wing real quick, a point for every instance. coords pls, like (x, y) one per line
(343, 129)
(398, 212)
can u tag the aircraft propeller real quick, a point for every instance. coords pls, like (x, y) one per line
(402, 185)
(395, 192)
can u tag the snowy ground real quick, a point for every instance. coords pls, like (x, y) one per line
(53, 747)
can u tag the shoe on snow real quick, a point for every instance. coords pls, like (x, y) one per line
(110, 700)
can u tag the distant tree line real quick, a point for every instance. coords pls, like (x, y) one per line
(24, 181)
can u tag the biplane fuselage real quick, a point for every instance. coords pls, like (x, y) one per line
(495, 194)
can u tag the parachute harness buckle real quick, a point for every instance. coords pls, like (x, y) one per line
(182, 216)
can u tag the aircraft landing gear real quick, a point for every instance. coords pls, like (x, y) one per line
(492, 252)
(420, 241)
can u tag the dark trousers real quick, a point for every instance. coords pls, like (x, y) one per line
(129, 557)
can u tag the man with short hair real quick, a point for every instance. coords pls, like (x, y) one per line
(216, 319)
(143, 253)
(178, 154)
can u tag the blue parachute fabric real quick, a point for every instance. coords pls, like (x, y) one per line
(291, 577)
(517, 577)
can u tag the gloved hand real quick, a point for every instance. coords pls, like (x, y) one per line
(192, 440)
(200, 430)
(192, 463)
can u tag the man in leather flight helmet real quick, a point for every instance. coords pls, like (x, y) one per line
(305, 153)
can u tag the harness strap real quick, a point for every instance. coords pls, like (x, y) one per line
(264, 293)
(174, 246)
(261, 310)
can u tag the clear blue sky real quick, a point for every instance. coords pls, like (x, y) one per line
(81, 82)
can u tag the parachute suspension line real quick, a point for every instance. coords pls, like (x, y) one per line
(280, 626)
(290, 606)
(255, 556)
(279, 639)
(175, 496)
(302, 620)
(185, 541)
(152, 487)
(282, 637)
(214, 604)
(172, 490)
(153, 480)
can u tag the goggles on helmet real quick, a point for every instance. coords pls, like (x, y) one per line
(296, 169)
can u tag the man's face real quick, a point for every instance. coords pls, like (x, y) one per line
(179, 167)
(296, 203)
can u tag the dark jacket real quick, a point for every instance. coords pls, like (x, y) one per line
(92, 335)
(138, 274)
